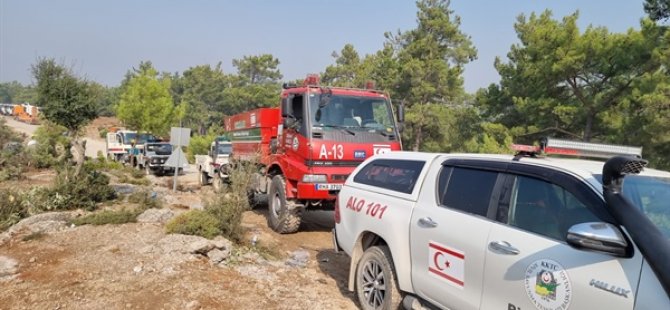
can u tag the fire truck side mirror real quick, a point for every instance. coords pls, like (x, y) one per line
(401, 116)
(286, 108)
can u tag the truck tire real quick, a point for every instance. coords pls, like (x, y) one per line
(283, 214)
(204, 179)
(376, 284)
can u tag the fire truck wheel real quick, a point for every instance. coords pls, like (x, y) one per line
(203, 178)
(281, 218)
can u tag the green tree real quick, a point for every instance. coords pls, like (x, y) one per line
(146, 103)
(557, 77)
(431, 59)
(347, 69)
(258, 69)
(65, 99)
(657, 9)
(202, 92)
(15, 92)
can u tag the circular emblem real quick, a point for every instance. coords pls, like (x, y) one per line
(547, 285)
(296, 143)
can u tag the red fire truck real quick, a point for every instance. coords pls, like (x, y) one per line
(308, 146)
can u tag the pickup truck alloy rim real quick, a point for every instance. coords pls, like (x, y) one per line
(374, 284)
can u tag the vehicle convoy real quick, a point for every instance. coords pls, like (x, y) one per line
(119, 144)
(214, 166)
(307, 147)
(474, 231)
(153, 157)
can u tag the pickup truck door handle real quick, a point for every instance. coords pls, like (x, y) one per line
(427, 222)
(503, 247)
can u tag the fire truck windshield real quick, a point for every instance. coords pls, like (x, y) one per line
(352, 113)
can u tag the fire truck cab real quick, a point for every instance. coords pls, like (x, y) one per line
(308, 146)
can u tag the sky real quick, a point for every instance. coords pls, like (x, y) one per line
(102, 40)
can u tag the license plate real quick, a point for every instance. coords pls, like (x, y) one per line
(328, 187)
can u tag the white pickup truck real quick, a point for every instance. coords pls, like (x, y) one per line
(214, 165)
(473, 231)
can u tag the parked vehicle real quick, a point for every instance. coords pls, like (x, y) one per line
(213, 167)
(473, 231)
(153, 157)
(119, 145)
(307, 147)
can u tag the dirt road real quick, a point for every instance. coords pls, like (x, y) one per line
(93, 146)
(122, 266)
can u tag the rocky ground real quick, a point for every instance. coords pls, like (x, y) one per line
(47, 264)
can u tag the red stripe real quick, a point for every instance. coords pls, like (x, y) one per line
(446, 276)
(112, 150)
(450, 252)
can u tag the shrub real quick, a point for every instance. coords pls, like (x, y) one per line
(199, 145)
(194, 222)
(12, 209)
(109, 217)
(145, 199)
(103, 132)
(71, 191)
(228, 208)
(53, 146)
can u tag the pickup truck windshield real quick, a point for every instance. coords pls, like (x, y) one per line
(351, 112)
(652, 196)
(160, 148)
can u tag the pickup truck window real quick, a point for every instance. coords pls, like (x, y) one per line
(545, 208)
(465, 189)
(396, 175)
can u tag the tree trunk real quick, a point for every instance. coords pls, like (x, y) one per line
(589, 126)
(79, 148)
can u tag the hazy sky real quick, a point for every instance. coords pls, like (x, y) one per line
(103, 39)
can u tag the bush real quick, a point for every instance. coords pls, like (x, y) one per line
(228, 208)
(198, 145)
(145, 199)
(194, 222)
(53, 146)
(109, 217)
(103, 132)
(71, 191)
(12, 209)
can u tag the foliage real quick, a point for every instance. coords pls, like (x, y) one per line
(145, 199)
(557, 77)
(229, 207)
(109, 217)
(657, 9)
(146, 103)
(72, 191)
(65, 99)
(12, 210)
(194, 222)
(201, 90)
(15, 92)
(53, 145)
(258, 69)
(200, 144)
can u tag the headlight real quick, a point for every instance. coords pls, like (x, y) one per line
(314, 178)
(155, 160)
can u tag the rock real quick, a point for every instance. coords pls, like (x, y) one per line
(33, 259)
(222, 243)
(124, 189)
(46, 217)
(8, 267)
(193, 305)
(156, 216)
(298, 258)
(185, 244)
(137, 269)
(216, 256)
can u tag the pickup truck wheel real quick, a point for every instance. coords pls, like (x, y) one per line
(376, 284)
(283, 215)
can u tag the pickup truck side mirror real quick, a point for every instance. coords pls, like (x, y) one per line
(599, 237)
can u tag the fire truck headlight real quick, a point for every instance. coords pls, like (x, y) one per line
(314, 178)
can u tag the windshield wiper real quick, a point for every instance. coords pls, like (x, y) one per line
(343, 128)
